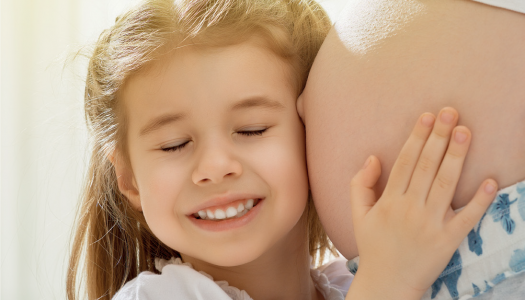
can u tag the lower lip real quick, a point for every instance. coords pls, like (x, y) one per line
(230, 223)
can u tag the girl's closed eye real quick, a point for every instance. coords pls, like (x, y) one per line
(252, 132)
(179, 147)
(174, 148)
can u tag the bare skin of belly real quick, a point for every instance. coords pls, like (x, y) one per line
(388, 61)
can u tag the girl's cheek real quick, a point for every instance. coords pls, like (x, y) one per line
(162, 182)
(284, 166)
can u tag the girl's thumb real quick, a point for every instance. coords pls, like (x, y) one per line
(362, 195)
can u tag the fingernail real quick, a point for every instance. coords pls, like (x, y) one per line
(460, 137)
(489, 188)
(367, 162)
(428, 120)
(447, 117)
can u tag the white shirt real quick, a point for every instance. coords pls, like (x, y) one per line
(180, 281)
(516, 5)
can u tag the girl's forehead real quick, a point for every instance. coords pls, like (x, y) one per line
(195, 77)
(213, 68)
(250, 59)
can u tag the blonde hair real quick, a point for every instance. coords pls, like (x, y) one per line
(112, 242)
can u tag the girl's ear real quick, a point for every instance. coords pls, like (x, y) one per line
(126, 180)
(299, 105)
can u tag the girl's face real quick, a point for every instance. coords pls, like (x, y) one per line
(208, 130)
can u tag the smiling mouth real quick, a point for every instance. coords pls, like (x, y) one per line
(228, 212)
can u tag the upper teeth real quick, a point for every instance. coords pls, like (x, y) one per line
(230, 212)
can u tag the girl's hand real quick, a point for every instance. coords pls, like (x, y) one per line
(406, 238)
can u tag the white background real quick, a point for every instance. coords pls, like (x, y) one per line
(43, 135)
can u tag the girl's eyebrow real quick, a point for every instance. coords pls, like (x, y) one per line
(160, 121)
(166, 119)
(257, 102)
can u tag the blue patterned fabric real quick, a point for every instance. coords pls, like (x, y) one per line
(493, 251)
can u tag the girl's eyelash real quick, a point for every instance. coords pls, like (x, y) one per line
(254, 132)
(174, 148)
(246, 133)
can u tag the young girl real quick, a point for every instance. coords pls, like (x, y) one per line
(197, 186)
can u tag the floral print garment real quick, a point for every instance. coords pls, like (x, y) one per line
(493, 251)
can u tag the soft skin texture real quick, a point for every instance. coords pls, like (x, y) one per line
(238, 132)
(387, 61)
(413, 218)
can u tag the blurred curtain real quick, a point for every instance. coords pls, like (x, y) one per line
(43, 135)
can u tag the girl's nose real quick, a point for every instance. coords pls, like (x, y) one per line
(215, 164)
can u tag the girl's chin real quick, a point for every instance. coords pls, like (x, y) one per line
(236, 258)
(228, 257)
